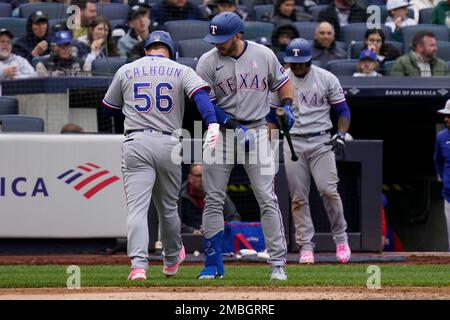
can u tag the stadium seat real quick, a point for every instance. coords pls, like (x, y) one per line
(263, 10)
(257, 29)
(442, 33)
(443, 50)
(358, 46)
(190, 62)
(425, 15)
(117, 22)
(53, 10)
(5, 9)
(22, 123)
(387, 67)
(16, 25)
(186, 29)
(342, 67)
(356, 31)
(107, 66)
(315, 10)
(193, 48)
(306, 29)
(317, 63)
(113, 11)
(8, 105)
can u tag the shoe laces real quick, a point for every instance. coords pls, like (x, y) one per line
(341, 247)
(279, 269)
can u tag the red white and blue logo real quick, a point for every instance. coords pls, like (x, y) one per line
(88, 178)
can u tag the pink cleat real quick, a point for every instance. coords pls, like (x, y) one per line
(170, 271)
(138, 274)
(306, 257)
(343, 252)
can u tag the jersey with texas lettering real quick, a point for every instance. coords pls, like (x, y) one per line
(313, 96)
(150, 91)
(241, 85)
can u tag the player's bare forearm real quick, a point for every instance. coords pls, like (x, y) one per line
(343, 124)
(286, 91)
(271, 126)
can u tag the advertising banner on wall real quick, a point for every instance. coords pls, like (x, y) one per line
(61, 186)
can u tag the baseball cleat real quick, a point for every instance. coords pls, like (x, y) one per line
(343, 252)
(170, 271)
(138, 274)
(306, 257)
(278, 273)
(209, 273)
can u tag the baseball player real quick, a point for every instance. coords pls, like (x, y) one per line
(442, 162)
(240, 74)
(317, 91)
(150, 93)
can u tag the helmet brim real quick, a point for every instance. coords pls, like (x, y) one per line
(215, 39)
(303, 59)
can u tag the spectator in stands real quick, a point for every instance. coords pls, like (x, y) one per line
(264, 41)
(192, 203)
(374, 39)
(325, 47)
(285, 10)
(441, 160)
(169, 10)
(367, 64)
(214, 7)
(282, 35)
(96, 44)
(417, 5)
(72, 128)
(398, 17)
(35, 43)
(342, 12)
(139, 22)
(61, 63)
(12, 66)
(441, 13)
(88, 11)
(421, 60)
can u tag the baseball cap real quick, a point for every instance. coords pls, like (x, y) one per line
(136, 10)
(7, 32)
(446, 109)
(38, 15)
(367, 54)
(395, 4)
(63, 37)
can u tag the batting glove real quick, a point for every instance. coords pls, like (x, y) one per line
(337, 143)
(212, 136)
(289, 116)
(245, 138)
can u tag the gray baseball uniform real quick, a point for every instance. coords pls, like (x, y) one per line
(150, 91)
(240, 86)
(314, 95)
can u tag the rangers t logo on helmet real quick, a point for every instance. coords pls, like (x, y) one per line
(213, 29)
(296, 52)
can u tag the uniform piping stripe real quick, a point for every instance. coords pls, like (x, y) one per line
(109, 105)
(73, 178)
(282, 83)
(197, 89)
(84, 168)
(65, 174)
(339, 101)
(283, 235)
(90, 178)
(100, 186)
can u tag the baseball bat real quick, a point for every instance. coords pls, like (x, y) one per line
(282, 120)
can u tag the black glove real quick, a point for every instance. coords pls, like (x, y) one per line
(337, 143)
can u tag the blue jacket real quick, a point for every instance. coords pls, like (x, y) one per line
(442, 160)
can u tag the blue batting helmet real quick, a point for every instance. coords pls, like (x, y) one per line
(298, 51)
(162, 37)
(224, 26)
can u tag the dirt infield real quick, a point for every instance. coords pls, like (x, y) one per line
(229, 293)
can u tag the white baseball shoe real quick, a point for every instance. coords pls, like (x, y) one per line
(278, 273)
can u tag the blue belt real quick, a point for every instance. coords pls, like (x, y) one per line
(311, 135)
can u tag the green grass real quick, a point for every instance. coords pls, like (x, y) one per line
(258, 275)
